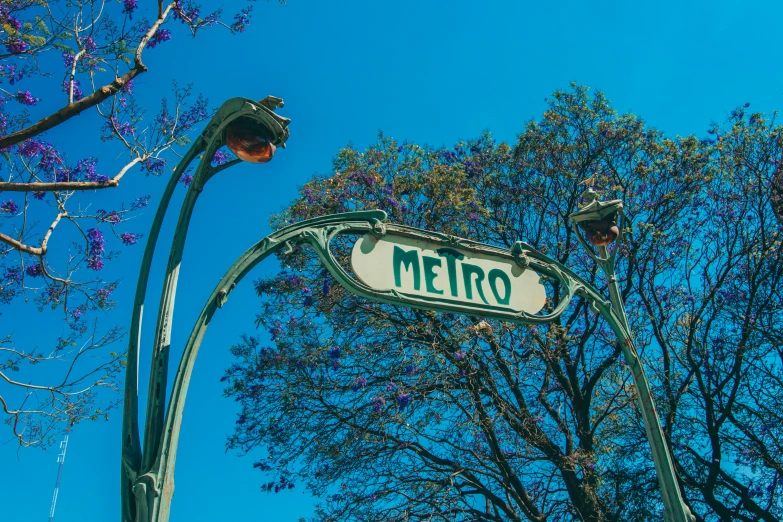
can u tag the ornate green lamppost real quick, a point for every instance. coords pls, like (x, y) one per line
(392, 264)
(252, 131)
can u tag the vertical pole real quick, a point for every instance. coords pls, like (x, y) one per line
(61, 461)
(675, 509)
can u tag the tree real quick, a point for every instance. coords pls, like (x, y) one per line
(391, 413)
(79, 56)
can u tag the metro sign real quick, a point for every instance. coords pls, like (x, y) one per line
(443, 275)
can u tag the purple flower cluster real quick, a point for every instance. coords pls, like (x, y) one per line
(78, 312)
(13, 274)
(96, 248)
(68, 60)
(334, 353)
(186, 179)
(276, 330)
(140, 202)
(87, 167)
(359, 382)
(404, 400)
(129, 238)
(160, 36)
(460, 354)
(9, 206)
(90, 45)
(16, 45)
(12, 73)
(197, 113)
(77, 92)
(34, 270)
(25, 98)
(122, 128)
(129, 6)
(154, 166)
(112, 217)
(378, 403)
(241, 20)
(221, 157)
(104, 293)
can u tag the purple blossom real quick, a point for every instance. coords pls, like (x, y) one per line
(127, 88)
(241, 20)
(162, 35)
(122, 128)
(378, 403)
(39, 194)
(186, 179)
(78, 312)
(13, 274)
(327, 288)
(25, 98)
(390, 386)
(359, 382)
(140, 202)
(30, 148)
(96, 248)
(16, 45)
(334, 353)
(112, 217)
(221, 157)
(154, 166)
(129, 6)
(88, 167)
(276, 330)
(9, 206)
(410, 369)
(89, 44)
(403, 400)
(129, 238)
(34, 270)
(460, 354)
(77, 92)
(13, 22)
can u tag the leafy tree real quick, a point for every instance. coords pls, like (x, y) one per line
(391, 413)
(59, 59)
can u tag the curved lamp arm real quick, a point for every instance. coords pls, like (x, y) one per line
(158, 482)
(134, 460)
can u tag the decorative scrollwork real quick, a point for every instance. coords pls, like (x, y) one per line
(378, 228)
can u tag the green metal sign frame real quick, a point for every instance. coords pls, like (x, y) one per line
(147, 482)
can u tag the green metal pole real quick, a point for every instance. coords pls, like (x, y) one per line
(140, 491)
(604, 213)
(675, 509)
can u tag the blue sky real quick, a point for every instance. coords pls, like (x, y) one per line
(427, 71)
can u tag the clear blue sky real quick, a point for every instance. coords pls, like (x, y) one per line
(423, 70)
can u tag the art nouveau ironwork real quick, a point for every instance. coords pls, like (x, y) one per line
(148, 472)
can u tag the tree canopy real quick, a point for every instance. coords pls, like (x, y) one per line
(391, 413)
(60, 59)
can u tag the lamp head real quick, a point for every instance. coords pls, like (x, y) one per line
(250, 129)
(598, 219)
(250, 140)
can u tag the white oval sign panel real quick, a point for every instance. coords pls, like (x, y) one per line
(445, 275)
